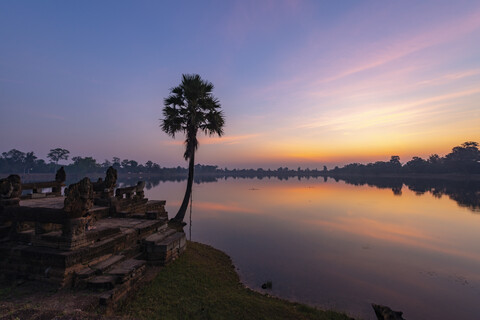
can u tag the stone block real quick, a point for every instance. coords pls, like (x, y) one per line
(160, 250)
(101, 267)
(102, 283)
(128, 269)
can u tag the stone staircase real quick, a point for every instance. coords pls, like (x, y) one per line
(164, 246)
(117, 282)
(115, 276)
(83, 276)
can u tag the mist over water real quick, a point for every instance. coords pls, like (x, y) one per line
(343, 246)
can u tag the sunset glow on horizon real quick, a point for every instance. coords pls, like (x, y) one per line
(302, 83)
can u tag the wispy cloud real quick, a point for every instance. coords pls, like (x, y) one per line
(215, 140)
(227, 139)
(316, 71)
(391, 50)
(449, 77)
(382, 115)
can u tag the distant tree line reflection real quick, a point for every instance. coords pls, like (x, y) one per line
(466, 193)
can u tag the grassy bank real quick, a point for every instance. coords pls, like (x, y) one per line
(202, 284)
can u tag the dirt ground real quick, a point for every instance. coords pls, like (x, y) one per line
(29, 300)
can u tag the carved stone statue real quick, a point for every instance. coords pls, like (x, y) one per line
(140, 194)
(98, 186)
(10, 187)
(111, 178)
(78, 198)
(109, 184)
(61, 176)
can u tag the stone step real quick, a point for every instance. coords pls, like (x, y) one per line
(128, 269)
(170, 241)
(83, 274)
(161, 251)
(159, 236)
(128, 276)
(120, 275)
(99, 268)
(102, 283)
(101, 233)
(107, 264)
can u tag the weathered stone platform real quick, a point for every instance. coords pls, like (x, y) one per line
(88, 239)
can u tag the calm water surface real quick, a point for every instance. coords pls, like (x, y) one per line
(342, 246)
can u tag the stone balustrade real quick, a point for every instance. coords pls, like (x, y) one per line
(38, 187)
(134, 192)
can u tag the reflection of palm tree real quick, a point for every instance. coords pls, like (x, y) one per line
(190, 107)
(190, 223)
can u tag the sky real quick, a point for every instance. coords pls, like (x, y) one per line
(301, 83)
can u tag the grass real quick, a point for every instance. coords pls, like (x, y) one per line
(202, 284)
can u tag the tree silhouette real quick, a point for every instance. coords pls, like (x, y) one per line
(191, 107)
(58, 154)
(470, 144)
(30, 159)
(464, 158)
(85, 165)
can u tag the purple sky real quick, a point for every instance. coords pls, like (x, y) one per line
(302, 83)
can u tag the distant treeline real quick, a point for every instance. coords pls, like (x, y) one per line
(15, 161)
(464, 159)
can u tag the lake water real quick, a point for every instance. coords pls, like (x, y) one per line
(343, 246)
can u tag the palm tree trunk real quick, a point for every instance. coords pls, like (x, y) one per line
(183, 209)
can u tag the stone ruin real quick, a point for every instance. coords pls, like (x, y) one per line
(95, 237)
(38, 187)
(78, 198)
(104, 189)
(10, 191)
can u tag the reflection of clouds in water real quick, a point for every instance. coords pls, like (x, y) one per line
(465, 193)
(224, 207)
(400, 233)
(350, 243)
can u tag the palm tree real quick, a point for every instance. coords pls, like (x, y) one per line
(191, 107)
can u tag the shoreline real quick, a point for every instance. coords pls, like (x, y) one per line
(217, 279)
(203, 282)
